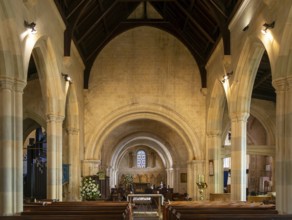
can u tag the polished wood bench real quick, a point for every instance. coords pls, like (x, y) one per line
(208, 209)
(82, 210)
(184, 216)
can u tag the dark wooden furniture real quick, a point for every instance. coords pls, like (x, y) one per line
(186, 210)
(104, 186)
(77, 210)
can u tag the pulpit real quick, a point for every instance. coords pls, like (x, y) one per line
(104, 186)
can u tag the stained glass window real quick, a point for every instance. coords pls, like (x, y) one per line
(141, 159)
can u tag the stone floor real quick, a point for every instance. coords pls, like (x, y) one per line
(145, 216)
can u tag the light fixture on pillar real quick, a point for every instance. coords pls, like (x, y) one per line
(245, 28)
(267, 26)
(226, 77)
(67, 78)
(31, 27)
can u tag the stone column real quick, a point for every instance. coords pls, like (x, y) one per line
(54, 157)
(74, 161)
(283, 157)
(170, 175)
(195, 168)
(214, 143)
(11, 146)
(6, 148)
(18, 142)
(131, 159)
(176, 180)
(238, 156)
(110, 174)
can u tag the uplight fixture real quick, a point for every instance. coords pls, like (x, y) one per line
(226, 77)
(67, 78)
(30, 26)
(267, 26)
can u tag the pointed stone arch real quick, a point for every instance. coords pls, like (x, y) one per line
(49, 76)
(244, 76)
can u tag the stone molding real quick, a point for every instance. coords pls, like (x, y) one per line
(12, 84)
(90, 167)
(55, 118)
(73, 131)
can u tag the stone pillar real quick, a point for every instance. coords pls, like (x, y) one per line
(176, 178)
(6, 148)
(11, 146)
(54, 157)
(170, 179)
(112, 179)
(130, 159)
(195, 168)
(214, 143)
(238, 156)
(74, 161)
(18, 142)
(283, 157)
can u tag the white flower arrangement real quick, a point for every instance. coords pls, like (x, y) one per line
(89, 189)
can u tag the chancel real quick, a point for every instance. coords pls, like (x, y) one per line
(158, 109)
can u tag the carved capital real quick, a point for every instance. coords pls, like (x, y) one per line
(73, 131)
(6, 83)
(214, 133)
(55, 118)
(19, 86)
(12, 84)
(280, 84)
(90, 167)
(239, 116)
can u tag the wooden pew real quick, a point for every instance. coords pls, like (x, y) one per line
(82, 210)
(181, 210)
(184, 216)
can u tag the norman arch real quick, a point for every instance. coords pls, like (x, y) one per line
(167, 117)
(146, 139)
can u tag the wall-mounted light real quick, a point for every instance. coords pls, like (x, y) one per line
(267, 26)
(245, 28)
(30, 26)
(226, 77)
(67, 78)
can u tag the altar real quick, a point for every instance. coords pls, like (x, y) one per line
(146, 204)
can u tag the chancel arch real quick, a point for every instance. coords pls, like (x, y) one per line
(152, 113)
(163, 139)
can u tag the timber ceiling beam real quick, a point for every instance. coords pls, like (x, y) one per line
(186, 12)
(97, 21)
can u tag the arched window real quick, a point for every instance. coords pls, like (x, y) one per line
(141, 159)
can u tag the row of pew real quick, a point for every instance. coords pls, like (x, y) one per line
(173, 210)
(192, 210)
(85, 210)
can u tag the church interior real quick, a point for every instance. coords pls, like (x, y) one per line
(156, 104)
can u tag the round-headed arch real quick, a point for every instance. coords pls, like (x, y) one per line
(152, 112)
(138, 139)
